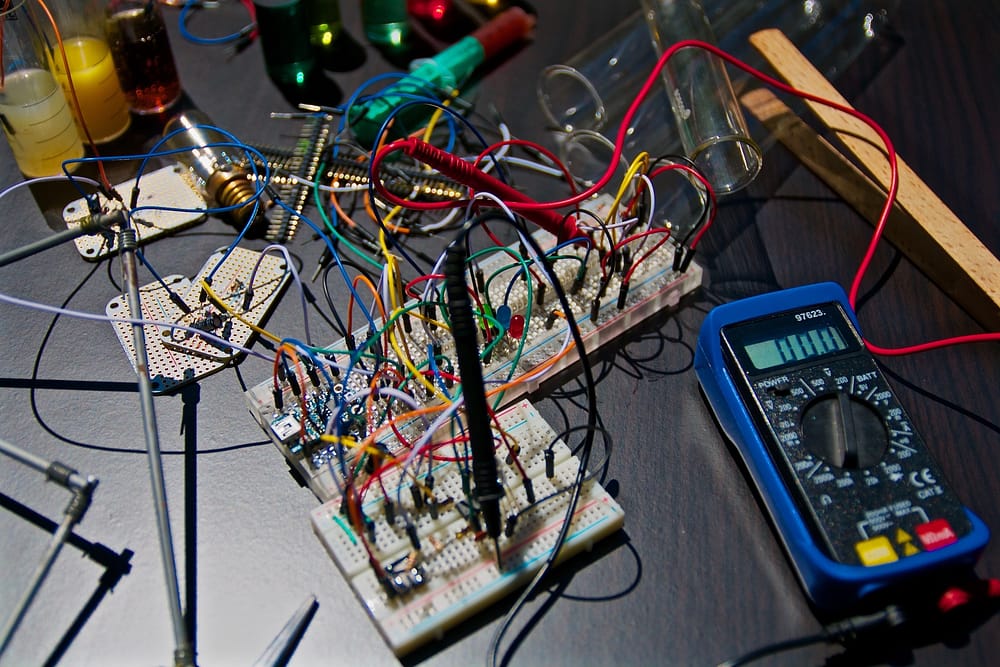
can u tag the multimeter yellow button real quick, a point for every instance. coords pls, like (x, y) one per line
(876, 551)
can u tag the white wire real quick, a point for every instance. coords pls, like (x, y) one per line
(24, 303)
(492, 197)
(323, 188)
(617, 225)
(295, 276)
(48, 179)
(652, 199)
(534, 166)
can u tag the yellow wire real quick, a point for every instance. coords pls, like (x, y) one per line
(640, 163)
(225, 306)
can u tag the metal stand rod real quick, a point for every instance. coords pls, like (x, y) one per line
(82, 488)
(54, 470)
(182, 646)
(58, 539)
(93, 225)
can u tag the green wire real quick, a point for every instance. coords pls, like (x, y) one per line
(329, 223)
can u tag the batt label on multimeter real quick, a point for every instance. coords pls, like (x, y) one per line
(857, 499)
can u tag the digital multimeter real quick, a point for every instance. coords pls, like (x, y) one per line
(857, 499)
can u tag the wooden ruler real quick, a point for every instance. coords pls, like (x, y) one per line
(921, 225)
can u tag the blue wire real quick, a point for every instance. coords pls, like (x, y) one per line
(356, 97)
(310, 352)
(149, 267)
(261, 184)
(186, 34)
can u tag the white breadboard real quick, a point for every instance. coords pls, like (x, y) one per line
(169, 187)
(178, 357)
(454, 575)
(654, 287)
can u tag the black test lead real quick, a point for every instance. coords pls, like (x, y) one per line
(463, 328)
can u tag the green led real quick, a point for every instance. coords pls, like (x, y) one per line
(324, 27)
(288, 54)
(386, 22)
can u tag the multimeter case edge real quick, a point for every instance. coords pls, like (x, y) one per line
(830, 585)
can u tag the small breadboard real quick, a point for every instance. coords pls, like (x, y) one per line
(179, 356)
(170, 187)
(453, 573)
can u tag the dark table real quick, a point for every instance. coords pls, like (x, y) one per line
(695, 577)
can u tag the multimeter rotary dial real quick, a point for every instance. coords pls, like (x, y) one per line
(844, 431)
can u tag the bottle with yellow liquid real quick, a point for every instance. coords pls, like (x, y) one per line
(33, 110)
(102, 103)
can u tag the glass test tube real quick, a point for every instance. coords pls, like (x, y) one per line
(33, 111)
(708, 115)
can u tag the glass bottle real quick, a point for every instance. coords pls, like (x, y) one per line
(102, 104)
(140, 47)
(33, 111)
(386, 22)
(284, 40)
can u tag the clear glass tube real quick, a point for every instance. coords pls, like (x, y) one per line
(707, 112)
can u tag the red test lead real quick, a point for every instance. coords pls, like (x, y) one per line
(564, 227)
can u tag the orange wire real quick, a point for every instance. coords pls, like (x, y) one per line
(336, 205)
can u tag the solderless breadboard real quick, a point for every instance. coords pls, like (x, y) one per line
(169, 187)
(177, 357)
(654, 287)
(454, 574)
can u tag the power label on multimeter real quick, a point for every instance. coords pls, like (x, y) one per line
(859, 502)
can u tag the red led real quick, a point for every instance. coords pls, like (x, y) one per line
(435, 10)
(516, 328)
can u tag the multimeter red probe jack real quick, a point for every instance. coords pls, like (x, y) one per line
(860, 506)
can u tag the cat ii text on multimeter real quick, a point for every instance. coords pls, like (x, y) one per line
(858, 501)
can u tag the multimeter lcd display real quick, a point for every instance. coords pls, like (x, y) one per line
(791, 337)
(792, 347)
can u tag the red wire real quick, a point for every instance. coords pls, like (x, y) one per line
(653, 80)
(420, 279)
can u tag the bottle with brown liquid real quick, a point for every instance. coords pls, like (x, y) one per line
(140, 47)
